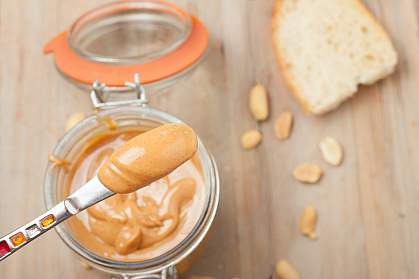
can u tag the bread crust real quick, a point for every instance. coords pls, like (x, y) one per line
(281, 62)
(292, 86)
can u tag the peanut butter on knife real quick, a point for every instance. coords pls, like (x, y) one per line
(148, 157)
(136, 164)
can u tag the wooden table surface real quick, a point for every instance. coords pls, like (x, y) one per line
(368, 207)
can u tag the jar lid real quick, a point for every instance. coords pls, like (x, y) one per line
(111, 43)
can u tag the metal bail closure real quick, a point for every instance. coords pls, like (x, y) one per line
(104, 97)
(167, 273)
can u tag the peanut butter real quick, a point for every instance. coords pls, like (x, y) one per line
(152, 220)
(148, 157)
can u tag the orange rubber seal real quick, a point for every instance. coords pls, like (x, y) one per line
(87, 71)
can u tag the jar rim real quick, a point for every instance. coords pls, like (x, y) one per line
(167, 63)
(175, 254)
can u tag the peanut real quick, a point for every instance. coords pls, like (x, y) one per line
(308, 173)
(73, 120)
(332, 151)
(286, 271)
(259, 103)
(86, 265)
(308, 222)
(283, 125)
(251, 139)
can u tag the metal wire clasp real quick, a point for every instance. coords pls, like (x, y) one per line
(167, 273)
(103, 97)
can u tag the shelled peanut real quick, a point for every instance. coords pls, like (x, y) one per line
(331, 150)
(284, 270)
(308, 222)
(251, 139)
(73, 120)
(283, 125)
(308, 173)
(259, 102)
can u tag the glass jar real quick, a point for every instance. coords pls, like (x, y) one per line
(153, 39)
(129, 113)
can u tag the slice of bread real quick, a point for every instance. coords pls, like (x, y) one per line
(326, 48)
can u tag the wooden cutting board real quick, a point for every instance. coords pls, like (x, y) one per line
(368, 207)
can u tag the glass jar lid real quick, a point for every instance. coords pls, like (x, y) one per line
(154, 38)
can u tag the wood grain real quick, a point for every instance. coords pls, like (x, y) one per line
(368, 210)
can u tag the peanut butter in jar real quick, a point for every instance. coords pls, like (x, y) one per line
(141, 225)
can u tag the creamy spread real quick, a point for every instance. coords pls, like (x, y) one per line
(148, 157)
(152, 220)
